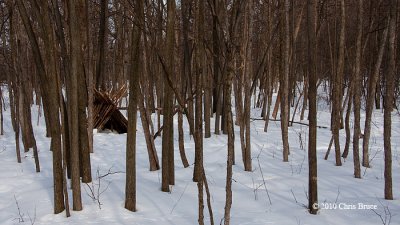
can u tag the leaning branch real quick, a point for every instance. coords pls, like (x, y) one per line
(301, 123)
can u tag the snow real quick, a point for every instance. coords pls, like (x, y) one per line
(285, 183)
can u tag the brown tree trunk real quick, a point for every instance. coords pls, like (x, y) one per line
(168, 107)
(151, 148)
(50, 96)
(1, 113)
(182, 140)
(13, 88)
(244, 107)
(357, 92)
(134, 72)
(337, 87)
(231, 146)
(284, 84)
(348, 101)
(312, 101)
(232, 30)
(73, 103)
(25, 112)
(388, 106)
(200, 74)
(100, 67)
(370, 98)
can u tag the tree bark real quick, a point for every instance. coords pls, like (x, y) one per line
(200, 74)
(73, 103)
(388, 106)
(134, 71)
(337, 87)
(284, 84)
(167, 138)
(101, 45)
(357, 92)
(370, 98)
(50, 97)
(312, 99)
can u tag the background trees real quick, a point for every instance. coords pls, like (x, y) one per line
(195, 59)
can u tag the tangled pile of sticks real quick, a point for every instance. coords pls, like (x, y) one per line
(106, 112)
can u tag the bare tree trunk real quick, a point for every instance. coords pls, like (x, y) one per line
(231, 139)
(50, 96)
(247, 78)
(90, 80)
(370, 98)
(25, 113)
(181, 140)
(145, 111)
(235, 11)
(184, 77)
(277, 101)
(167, 138)
(217, 88)
(270, 79)
(284, 85)
(134, 72)
(305, 99)
(13, 88)
(1, 113)
(200, 73)
(357, 92)
(312, 99)
(100, 67)
(30, 141)
(78, 103)
(388, 106)
(17, 122)
(151, 148)
(337, 87)
(348, 101)
(198, 130)
(207, 83)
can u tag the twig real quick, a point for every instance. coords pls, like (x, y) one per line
(95, 193)
(109, 172)
(176, 203)
(34, 217)
(262, 175)
(388, 214)
(338, 193)
(21, 215)
(295, 199)
(373, 157)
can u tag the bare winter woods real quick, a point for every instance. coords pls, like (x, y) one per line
(207, 63)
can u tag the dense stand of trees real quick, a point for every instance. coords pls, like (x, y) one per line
(194, 58)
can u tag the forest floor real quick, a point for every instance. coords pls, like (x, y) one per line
(274, 193)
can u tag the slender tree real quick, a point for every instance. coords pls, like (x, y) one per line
(75, 49)
(372, 80)
(357, 92)
(168, 107)
(284, 83)
(102, 41)
(388, 106)
(134, 70)
(49, 94)
(337, 86)
(312, 101)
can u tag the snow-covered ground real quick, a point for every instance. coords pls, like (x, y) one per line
(340, 195)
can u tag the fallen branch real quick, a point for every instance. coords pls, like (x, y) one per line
(301, 123)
